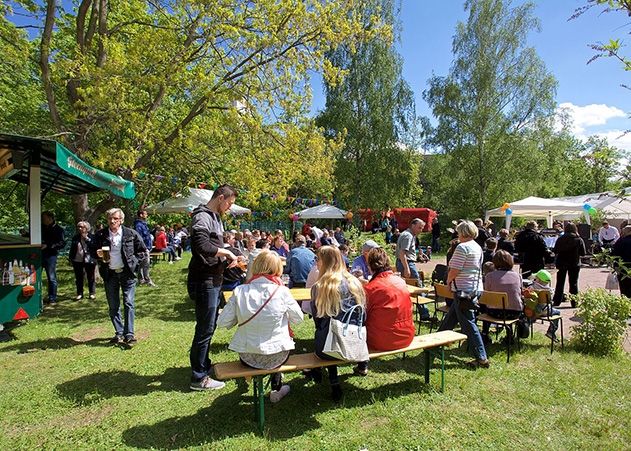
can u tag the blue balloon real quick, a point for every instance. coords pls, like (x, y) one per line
(586, 207)
(509, 212)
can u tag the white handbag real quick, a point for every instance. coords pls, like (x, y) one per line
(346, 341)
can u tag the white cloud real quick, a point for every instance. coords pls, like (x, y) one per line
(617, 138)
(582, 117)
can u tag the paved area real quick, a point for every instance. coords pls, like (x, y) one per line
(588, 278)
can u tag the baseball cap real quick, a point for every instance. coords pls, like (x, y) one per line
(369, 244)
(543, 275)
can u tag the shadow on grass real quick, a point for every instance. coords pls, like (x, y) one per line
(109, 384)
(232, 414)
(54, 344)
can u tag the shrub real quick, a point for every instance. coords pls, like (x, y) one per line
(604, 317)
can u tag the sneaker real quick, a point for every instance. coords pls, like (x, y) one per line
(130, 340)
(178, 258)
(79, 297)
(360, 371)
(336, 393)
(151, 284)
(277, 395)
(477, 363)
(93, 296)
(117, 339)
(207, 383)
(551, 336)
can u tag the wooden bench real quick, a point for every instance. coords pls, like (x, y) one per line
(299, 362)
(155, 256)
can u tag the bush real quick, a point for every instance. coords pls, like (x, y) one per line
(604, 323)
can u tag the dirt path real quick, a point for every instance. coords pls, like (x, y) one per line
(588, 278)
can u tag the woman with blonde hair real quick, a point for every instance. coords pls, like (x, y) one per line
(263, 309)
(335, 293)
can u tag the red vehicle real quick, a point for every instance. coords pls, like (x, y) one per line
(405, 215)
(402, 215)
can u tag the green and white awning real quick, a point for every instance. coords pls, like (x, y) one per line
(61, 170)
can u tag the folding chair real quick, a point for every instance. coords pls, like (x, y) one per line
(498, 301)
(441, 293)
(544, 297)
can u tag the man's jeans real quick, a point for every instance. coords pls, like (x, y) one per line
(206, 298)
(113, 285)
(50, 266)
(468, 326)
(143, 268)
(424, 312)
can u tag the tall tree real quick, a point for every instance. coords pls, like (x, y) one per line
(373, 109)
(137, 87)
(496, 91)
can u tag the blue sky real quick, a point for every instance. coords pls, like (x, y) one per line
(592, 93)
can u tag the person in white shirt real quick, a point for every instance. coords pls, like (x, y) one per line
(608, 235)
(118, 270)
(263, 310)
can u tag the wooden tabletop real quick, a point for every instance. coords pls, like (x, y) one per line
(299, 294)
(415, 291)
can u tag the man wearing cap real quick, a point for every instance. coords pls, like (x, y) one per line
(607, 235)
(406, 256)
(299, 262)
(360, 267)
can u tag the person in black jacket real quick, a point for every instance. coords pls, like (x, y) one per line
(532, 249)
(568, 250)
(483, 235)
(118, 270)
(52, 242)
(622, 249)
(504, 244)
(205, 276)
(83, 258)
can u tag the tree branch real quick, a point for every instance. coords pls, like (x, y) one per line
(45, 65)
(102, 54)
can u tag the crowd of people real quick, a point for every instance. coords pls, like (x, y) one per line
(259, 268)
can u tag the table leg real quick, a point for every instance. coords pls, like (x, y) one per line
(427, 364)
(442, 369)
(261, 403)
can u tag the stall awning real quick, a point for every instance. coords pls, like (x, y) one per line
(61, 170)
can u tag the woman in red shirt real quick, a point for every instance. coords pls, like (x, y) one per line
(389, 322)
(161, 244)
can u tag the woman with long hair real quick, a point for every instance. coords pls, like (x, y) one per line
(335, 293)
(263, 310)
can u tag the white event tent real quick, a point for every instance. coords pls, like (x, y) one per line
(539, 208)
(184, 204)
(324, 211)
(611, 205)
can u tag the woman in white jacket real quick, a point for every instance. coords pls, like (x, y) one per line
(263, 309)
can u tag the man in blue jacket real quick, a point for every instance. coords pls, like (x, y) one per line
(140, 225)
(299, 262)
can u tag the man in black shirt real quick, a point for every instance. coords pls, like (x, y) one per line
(435, 235)
(52, 242)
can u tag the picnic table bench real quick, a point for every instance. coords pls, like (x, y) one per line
(155, 256)
(298, 362)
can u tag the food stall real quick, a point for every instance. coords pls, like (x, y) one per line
(44, 166)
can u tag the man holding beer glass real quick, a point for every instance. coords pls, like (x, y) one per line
(119, 250)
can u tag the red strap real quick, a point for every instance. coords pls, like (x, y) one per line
(260, 308)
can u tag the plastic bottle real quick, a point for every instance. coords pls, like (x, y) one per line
(11, 274)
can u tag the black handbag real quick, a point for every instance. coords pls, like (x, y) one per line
(467, 300)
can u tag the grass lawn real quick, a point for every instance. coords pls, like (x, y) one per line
(65, 387)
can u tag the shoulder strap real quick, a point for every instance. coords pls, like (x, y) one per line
(260, 308)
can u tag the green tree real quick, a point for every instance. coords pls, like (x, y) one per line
(141, 88)
(373, 110)
(497, 90)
